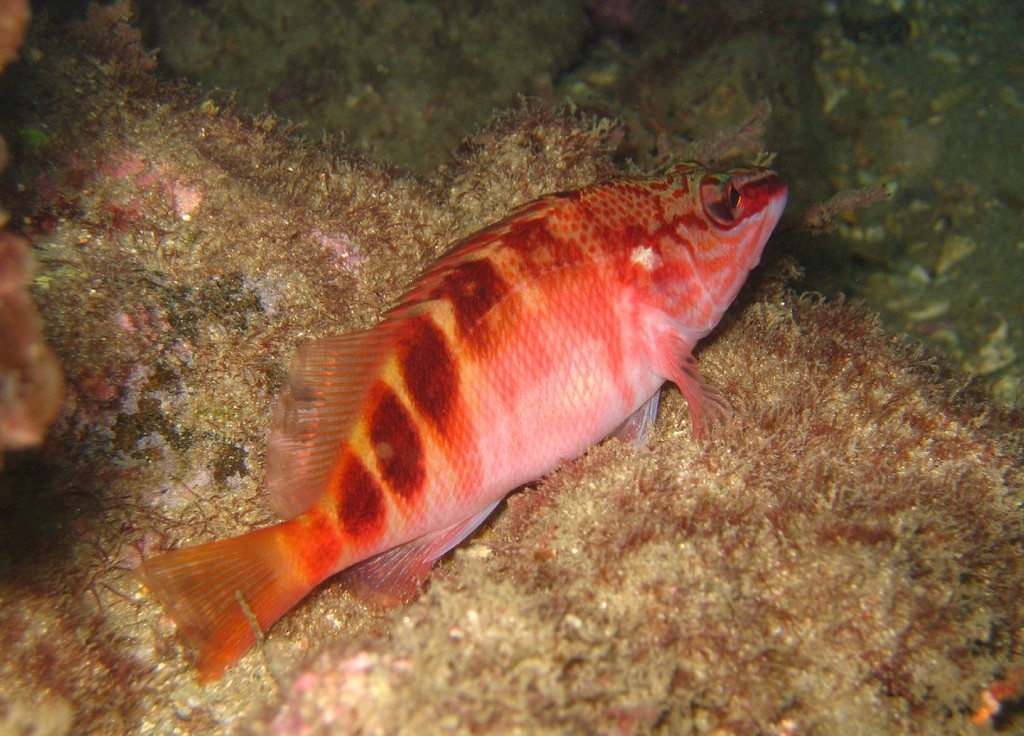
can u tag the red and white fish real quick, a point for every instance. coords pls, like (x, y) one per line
(532, 340)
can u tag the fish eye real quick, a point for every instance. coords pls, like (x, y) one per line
(721, 198)
(733, 196)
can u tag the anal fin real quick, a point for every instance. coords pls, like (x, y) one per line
(395, 575)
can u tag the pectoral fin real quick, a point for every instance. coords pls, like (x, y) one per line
(706, 403)
(672, 358)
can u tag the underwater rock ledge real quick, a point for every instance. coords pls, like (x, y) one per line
(841, 555)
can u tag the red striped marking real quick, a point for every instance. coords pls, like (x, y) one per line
(361, 509)
(397, 444)
(315, 541)
(474, 289)
(759, 192)
(692, 222)
(536, 247)
(430, 372)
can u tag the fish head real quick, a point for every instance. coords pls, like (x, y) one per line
(717, 224)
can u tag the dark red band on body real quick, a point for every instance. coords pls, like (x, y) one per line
(474, 289)
(361, 509)
(430, 372)
(396, 441)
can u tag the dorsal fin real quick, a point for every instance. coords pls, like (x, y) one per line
(317, 409)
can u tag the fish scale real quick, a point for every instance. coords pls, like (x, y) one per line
(530, 341)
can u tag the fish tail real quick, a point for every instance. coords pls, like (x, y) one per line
(224, 594)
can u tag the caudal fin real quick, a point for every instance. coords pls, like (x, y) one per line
(216, 592)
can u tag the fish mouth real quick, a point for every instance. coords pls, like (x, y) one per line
(766, 192)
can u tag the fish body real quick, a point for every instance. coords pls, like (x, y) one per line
(530, 341)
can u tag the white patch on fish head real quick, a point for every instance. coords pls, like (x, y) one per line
(645, 257)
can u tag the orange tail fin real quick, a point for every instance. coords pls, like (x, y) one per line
(203, 589)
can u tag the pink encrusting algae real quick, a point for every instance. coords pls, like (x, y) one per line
(532, 340)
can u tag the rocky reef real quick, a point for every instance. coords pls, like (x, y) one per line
(841, 555)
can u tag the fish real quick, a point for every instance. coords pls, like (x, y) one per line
(530, 341)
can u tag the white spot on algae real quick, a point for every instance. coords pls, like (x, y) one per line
(954, 249)
(931, 310)
(997, 353)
